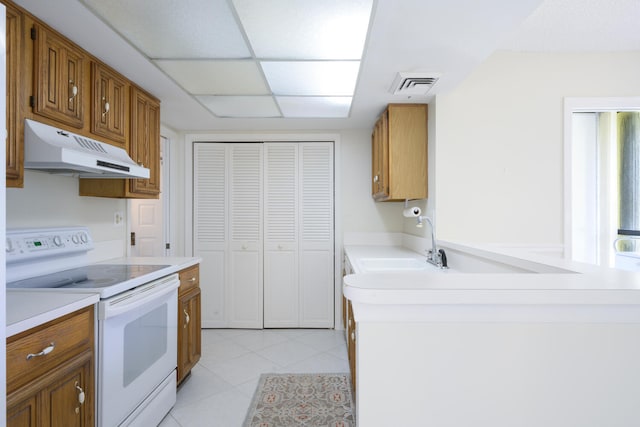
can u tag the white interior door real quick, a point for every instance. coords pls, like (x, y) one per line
(147, 217)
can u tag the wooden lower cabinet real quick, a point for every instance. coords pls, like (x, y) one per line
(351, 344)
(189, 321)
(58, 389)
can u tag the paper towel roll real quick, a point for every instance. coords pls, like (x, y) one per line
(411, 212)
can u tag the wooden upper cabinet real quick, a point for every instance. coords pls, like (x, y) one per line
(109, 104)
(399, 153)
(145, 140)
(144, 149)
(59, 77)
(15, 84)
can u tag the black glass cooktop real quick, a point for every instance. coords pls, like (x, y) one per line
(94, 276)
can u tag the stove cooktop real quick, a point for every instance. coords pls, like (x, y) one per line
(94, 277)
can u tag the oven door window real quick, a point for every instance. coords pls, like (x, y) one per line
(145, 342)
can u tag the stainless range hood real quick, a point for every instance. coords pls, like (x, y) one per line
(53, 150)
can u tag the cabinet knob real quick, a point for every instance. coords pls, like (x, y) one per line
(81, 395)
(193, 279)
(187, 319)
(44, 352)
(376, 179)
(73, 90)
(105, 106)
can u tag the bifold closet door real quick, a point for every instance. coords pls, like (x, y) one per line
(298, 278)
(281, 296)
(228, 233)
(210, 215)
(316, 231)
(244, 282)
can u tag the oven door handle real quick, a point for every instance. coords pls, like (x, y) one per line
(138, 297)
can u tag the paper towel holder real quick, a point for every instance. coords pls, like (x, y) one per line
(411, 212)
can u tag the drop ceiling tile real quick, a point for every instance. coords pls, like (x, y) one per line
(320, 78)
(314, 106)
(294, 29)
(241, 106)
(206, 77)
(175, 29)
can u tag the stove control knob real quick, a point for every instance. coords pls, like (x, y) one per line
(75, 239)
(84, 238)
(57, 240)
(9, 245)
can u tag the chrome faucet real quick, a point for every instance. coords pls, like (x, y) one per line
(435, 256)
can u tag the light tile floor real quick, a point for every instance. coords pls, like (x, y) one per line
(222, 384)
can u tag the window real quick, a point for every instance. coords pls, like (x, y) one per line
(605, 185)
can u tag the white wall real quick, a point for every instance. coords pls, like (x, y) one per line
(53, 201)
(500, 142)
(360, 212)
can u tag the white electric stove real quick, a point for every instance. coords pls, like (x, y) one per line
(137, 318)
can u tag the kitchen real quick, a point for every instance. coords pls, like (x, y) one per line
(511, 163)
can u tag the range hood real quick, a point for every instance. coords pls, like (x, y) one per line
(53, 150)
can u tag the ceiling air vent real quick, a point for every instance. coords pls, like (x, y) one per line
(413, 84)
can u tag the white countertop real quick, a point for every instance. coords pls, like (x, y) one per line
(393, 293)
(176, 263)
(28, 309)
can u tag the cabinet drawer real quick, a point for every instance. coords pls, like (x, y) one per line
(189, 278)
(69, 335)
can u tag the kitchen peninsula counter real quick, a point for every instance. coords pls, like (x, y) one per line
(502, 338)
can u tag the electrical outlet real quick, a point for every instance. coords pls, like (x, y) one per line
(118, 218)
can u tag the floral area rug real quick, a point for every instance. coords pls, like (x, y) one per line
(309, 400)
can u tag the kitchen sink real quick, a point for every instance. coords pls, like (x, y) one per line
(392, 264)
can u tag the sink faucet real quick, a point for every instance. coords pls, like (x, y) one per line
(435, 256)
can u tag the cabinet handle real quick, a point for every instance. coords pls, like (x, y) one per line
(186, 318)
(353, 336)
(44, 352)
(105, 106)
(73, 90)
(376, 179)
(193, 279)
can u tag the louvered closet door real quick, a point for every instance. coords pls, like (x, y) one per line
(316, 290)
(281, 236)
(244, 285)
(210, 229)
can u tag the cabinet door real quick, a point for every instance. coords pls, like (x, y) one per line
(281, 305)
(67, 401)
(351, 345)
(22, 413)
(61, 398)
(380, 158)
(15, 76)
(145, 141)
(189, 340)
(109, 106)
(59, 78)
